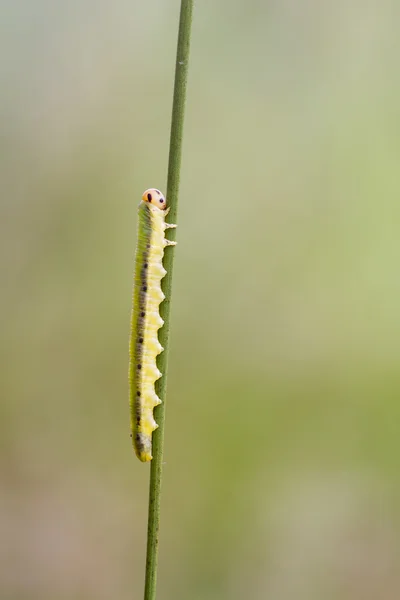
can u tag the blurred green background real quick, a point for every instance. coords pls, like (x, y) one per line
(282, 448)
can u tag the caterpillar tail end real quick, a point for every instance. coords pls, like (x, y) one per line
(142, 445)
(144, 456)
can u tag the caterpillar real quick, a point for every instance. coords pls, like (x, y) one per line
(147, 296)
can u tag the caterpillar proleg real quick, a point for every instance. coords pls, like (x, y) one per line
(144, 346)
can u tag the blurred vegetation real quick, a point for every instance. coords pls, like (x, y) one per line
(282, 438)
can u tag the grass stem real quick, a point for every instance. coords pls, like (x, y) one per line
(174, 167)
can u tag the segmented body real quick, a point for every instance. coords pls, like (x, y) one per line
(144, 346)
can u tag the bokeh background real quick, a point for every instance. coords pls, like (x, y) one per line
(282, 448)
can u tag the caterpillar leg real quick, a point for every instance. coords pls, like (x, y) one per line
(169, 243)
(170, 226)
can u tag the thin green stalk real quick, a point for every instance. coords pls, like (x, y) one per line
(174, 166)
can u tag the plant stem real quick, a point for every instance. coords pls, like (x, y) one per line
(174, 166)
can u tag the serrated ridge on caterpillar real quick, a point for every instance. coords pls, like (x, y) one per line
(144, 346)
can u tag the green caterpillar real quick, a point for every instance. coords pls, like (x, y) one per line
(144, 346)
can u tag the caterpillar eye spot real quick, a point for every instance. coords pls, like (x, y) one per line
(161, 200)
(149, 197)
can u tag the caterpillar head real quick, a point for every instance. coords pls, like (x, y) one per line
(155, 198)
